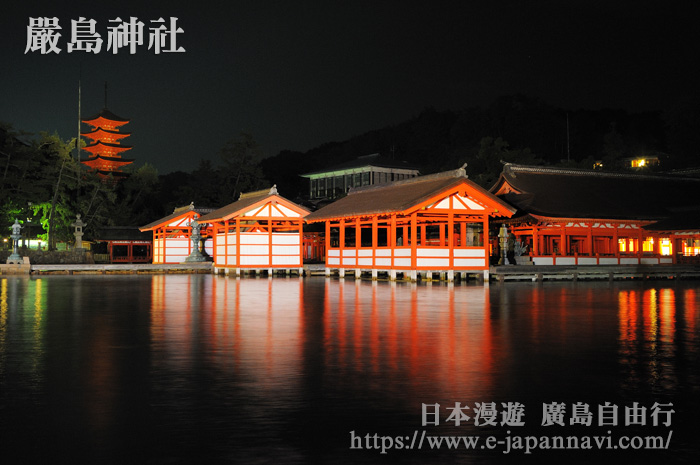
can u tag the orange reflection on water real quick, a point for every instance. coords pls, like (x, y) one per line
(248, 327)
(432, 337)
(648, 333)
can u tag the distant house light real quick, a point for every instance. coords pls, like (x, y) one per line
(643, 162)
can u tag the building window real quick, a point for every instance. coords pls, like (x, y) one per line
(627, 245)
(365, 179)
(666, 247)
(648, 245)
(691, 247)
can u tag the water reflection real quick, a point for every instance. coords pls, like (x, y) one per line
(189, 366)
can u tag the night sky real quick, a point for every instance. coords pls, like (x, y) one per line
(297, 74)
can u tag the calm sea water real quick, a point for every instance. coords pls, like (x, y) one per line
(204, 369)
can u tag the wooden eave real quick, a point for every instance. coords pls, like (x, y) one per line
(502, 187)
(100, 133)
(100, 146)
(540, 219)
(165, 221)
(113, 161)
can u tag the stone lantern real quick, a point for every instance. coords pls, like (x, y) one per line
(14, 258)
(78, 233)
(503, 242)
(196, 237)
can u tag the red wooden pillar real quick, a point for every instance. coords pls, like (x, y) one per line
(640, 245)
(450, 233)
(414, 242)
(269, 239)
(341, 241)
(392, 237)
(374, 240)
(162, 249)
(327, 240)
(535, 241)
(238, 241)
(485, 243)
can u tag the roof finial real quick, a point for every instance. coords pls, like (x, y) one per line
(273, 190)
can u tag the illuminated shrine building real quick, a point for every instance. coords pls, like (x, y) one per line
(105, 146)
(585, 217)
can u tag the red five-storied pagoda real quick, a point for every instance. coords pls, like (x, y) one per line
(105, 148)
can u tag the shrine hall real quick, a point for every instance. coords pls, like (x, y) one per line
(434, 223)
(171, 235)
(586, 217)
(261, 230)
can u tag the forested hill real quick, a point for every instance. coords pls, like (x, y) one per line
(514, 128)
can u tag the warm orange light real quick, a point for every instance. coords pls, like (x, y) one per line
(666, 246)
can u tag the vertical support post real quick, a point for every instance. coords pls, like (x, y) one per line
(392, 240)
(375, 241)
(341, 242)
(238, 241)
(414, 242)
(485, 243)
(450, 236)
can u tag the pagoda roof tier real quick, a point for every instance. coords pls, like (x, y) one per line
(117, 176)
(100, 147)
(105, 134)
(97, 161)
(105, 119)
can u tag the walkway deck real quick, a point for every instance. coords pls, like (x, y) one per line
(495, 273)
(123, 268)
(593, 272)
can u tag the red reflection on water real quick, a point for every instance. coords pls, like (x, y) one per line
(648, 315)
(648, 332)
(421, 335)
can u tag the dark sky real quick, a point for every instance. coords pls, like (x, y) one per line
(297, 74)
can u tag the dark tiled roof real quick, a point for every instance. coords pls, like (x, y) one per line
(574, 193)
(243, 203)
(682, 221)
(375, 159)
(106, 114)
(397, 197)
